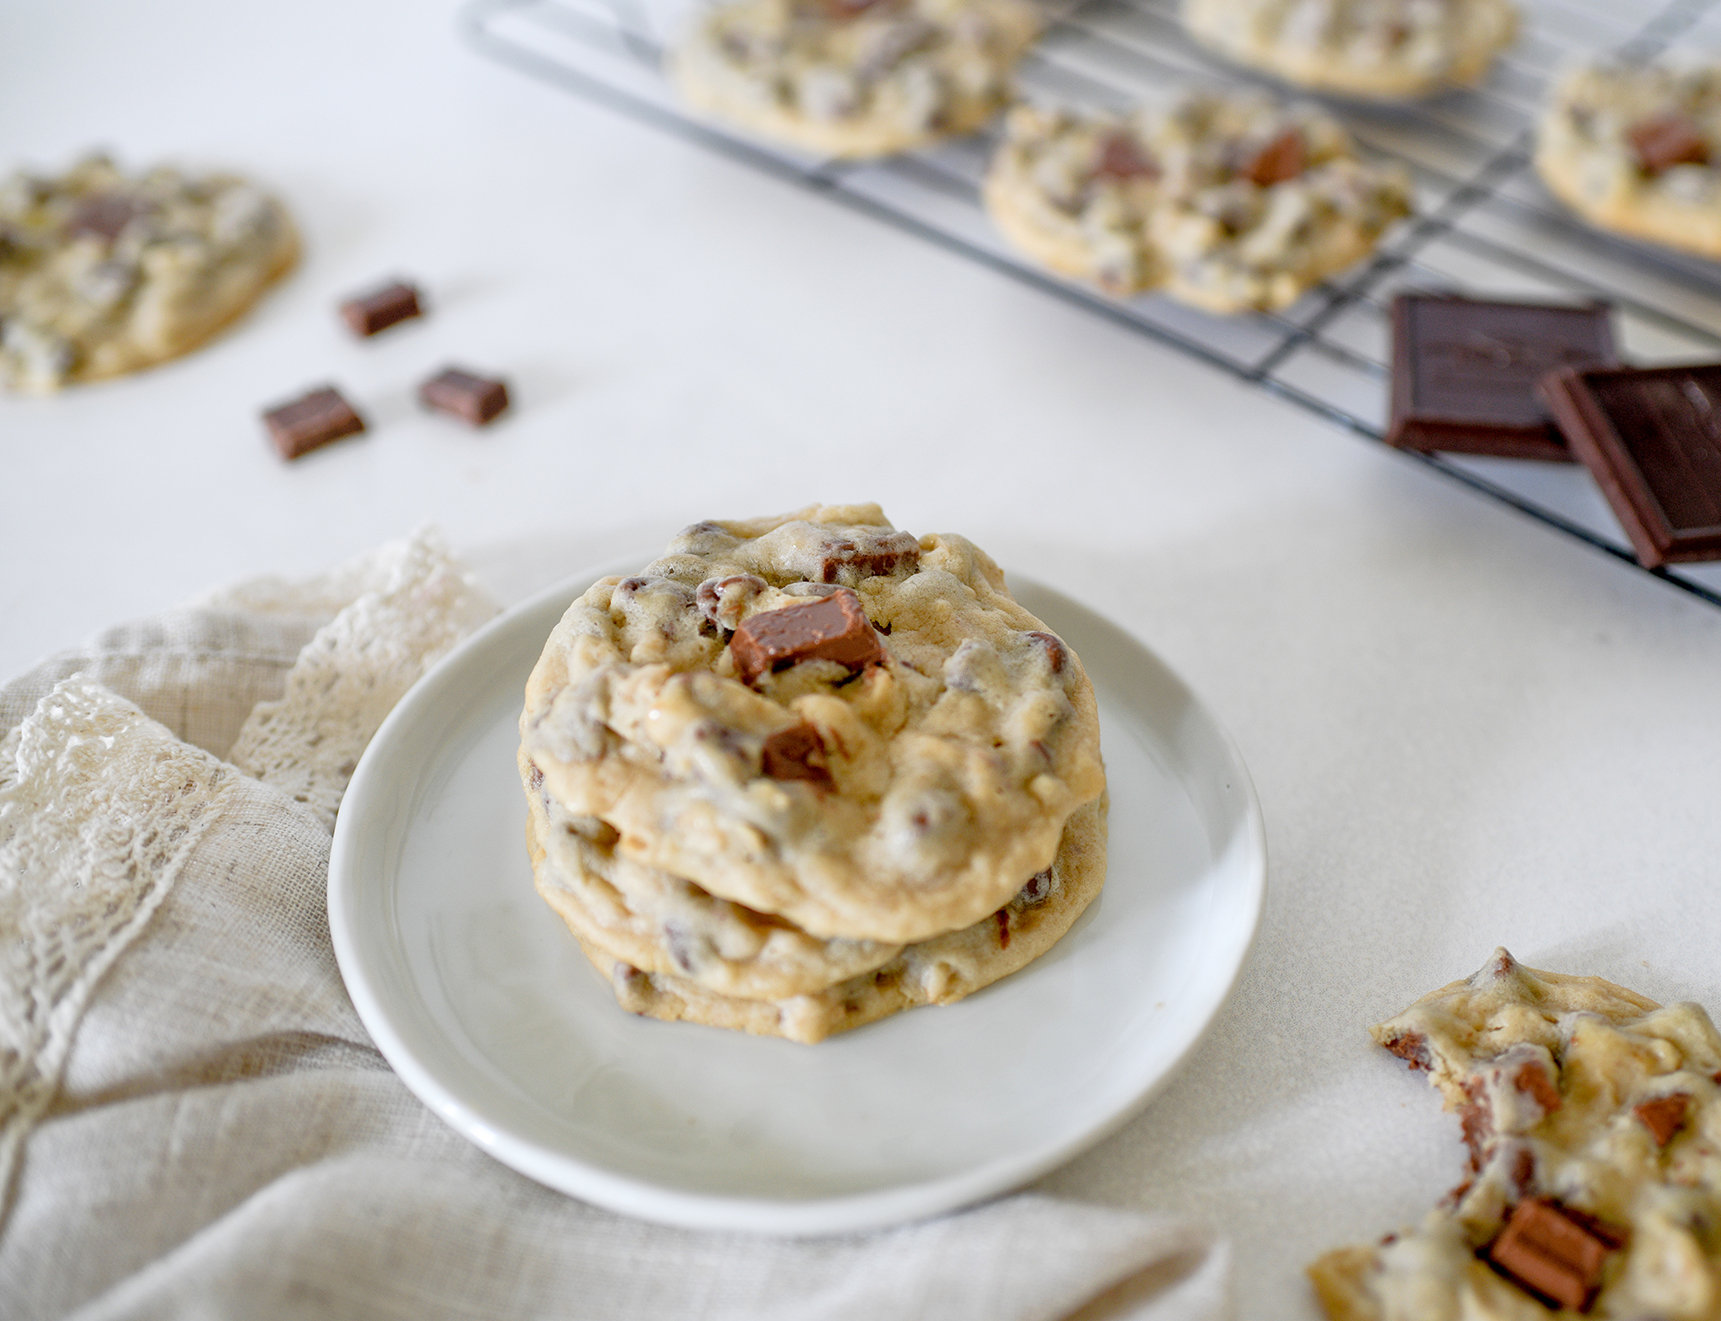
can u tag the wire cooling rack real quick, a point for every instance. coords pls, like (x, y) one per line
(1484, 225)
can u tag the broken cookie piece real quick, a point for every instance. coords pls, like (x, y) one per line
(1587, 1109)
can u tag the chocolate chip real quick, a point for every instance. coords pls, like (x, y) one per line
(534, 776)
(1122, 157)
(1652, 440)
(475, 400)
(1037, 889)
(1411, 1047)
(722, 599)
(1664, 1116)
(307, 423)
(105, 215)
(1003, 919)
(1532, 1079)
(1057, 655)
(1464, 372)
(393, 303)
(1553, 1253)
(1662, 141)
(796, 753)
(869, 556)
(834, 628)
(1281, 159)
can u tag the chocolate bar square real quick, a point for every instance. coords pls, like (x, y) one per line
(1652, 438)
(1464, 372)
(373, 312)
(311, 422)
(473, 399)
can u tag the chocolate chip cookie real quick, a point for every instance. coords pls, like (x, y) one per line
(1637, 150)
(820, 718)
(1593, 1119)
(103, 273)
(854, 78)
(1226, 201)
(1379, 49)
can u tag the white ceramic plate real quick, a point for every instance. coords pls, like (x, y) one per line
(478, 997)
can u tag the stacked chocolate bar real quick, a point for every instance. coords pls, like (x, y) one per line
(803, 772)
(1534, 381)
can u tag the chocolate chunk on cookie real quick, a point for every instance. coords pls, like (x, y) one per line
(833, 628)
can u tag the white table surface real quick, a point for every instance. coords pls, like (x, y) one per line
(1465, 730)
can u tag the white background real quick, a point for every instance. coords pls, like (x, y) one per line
(1465, 730)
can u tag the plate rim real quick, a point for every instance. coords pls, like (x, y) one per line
(689, 1209)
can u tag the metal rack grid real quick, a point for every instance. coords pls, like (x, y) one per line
(1484, 225)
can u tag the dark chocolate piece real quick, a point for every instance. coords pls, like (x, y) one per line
(870, 556)
(1665, 140)
(1553, 1253)
(1663, 1116)
(104, 215)
(1281, 159)
(796, 753)
(1122, 157)
(834, 627)
(1464, 372)
(390, 305)
(312, 421)
(1652, 439)
(473, 399)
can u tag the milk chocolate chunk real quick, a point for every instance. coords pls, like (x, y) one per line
(393, 303)
(1665, 140)
(104, 215)
(1464, 372)
(873, 556)
(475, 400)
(1122, 157)
(1553, 1253)
(1652, 439)
(310, 422)
(832, 628)
(796, 753)
(1663, 1116)
(1281, 159)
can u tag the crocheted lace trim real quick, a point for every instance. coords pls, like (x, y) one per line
(99, 808)
(413, 603)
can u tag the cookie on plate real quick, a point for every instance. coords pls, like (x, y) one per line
(1229, 202)
(937, 971)
(1637, 150)
(854, 78)
(821, 718)
(1377, 49)
(103, 273)
(1592, 1116)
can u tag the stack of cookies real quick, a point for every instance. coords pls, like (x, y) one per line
(806, 771)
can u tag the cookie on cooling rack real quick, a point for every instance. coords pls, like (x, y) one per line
(937, 971)
(1637, 150)
(854, 78)
(1229, 202)
(1075, 193)
(1377, 49)
(103, 273)
(820, 718)
(1592, 1116)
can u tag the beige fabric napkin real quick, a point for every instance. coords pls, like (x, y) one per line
(193, 1122)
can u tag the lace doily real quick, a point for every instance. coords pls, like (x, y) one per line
(99, 808)
(100, 805)
(413, 604)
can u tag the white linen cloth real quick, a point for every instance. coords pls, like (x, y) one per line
(193, 1121)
